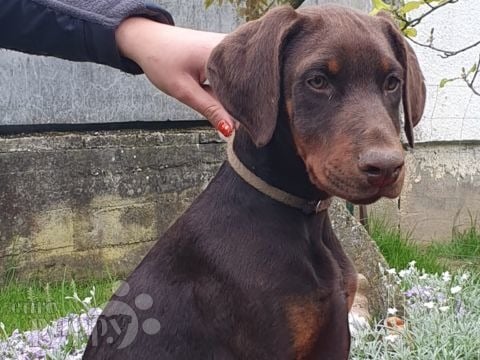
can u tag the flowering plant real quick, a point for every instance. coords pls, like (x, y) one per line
(441, 313)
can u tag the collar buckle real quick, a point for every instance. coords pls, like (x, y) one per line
(315, 207)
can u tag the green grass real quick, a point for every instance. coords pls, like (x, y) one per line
(33, 305)
(398, 248)
(462, 251)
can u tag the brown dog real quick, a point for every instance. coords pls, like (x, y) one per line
(244, 273)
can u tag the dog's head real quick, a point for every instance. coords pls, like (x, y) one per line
(337, 76)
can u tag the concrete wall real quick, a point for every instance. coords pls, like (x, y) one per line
(441, 193)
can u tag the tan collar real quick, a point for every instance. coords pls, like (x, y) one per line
(307, 206)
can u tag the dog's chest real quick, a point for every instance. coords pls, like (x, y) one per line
(305, 316)
(311, 315)
(310, 319)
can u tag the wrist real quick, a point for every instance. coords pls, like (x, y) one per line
(129, 36)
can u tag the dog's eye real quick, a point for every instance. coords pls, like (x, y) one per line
(318, 82)
(392, 83)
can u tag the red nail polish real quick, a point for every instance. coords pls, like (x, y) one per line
(224, 128)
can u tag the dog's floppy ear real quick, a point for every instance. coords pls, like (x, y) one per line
(414, 91)
(244, 71)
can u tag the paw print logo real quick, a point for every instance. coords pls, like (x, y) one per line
(119, 321)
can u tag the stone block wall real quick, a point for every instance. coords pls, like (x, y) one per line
(95, 202)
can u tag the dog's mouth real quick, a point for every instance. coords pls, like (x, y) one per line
(352, 187)
(365, 200)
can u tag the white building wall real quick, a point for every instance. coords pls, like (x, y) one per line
(452, 112)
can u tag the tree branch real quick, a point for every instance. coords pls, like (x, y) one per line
(414, 22)
(471, 82)
(445, 53)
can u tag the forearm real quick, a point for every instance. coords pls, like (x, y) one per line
(143, 41)
(78, 30)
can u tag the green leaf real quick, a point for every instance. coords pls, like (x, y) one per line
(410, 32)
(444, 82)
(378, 5)
(410, 6)
(472, 70)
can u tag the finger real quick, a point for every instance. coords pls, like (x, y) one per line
(202, 101)
(209, 90)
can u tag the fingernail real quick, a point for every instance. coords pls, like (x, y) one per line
(224, 128)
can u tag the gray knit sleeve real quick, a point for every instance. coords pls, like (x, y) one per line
(107, 13)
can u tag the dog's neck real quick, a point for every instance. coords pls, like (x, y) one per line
(277, 163)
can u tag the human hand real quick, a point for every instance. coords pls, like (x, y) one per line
(174, 59)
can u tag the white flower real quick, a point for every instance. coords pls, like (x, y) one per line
(87, 300)
(403, 273)
(465, 277)
(391, 271)
(443, 308)
(456, 289)
(412, 263)
(446, 276)
(391, 337)
(392, 311)
(429, 305)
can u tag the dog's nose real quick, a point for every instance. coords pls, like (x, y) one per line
(382, 167)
